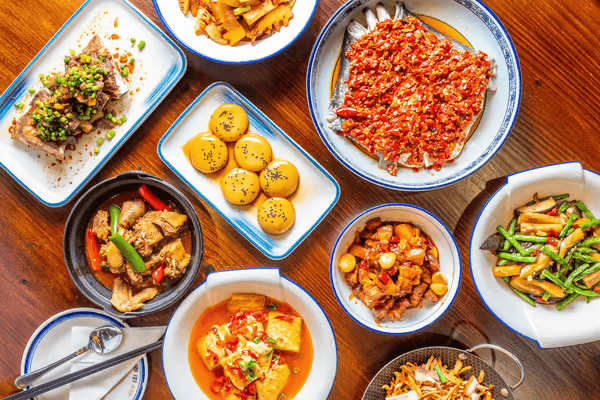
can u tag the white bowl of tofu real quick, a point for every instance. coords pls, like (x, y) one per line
(544, 324)
(252, 331)
(402, 317)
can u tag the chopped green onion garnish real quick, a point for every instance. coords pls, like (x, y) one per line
(256, 340)
(96, 150)
(272, 307)
(271, 340)
(100, 141)
(20, 105)
(546, 296)
(110, 134)
(132, 40)
(440, 373)
(32, 91)
(141, 45)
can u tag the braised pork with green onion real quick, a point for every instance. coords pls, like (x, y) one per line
(549, 252)
(73, 102)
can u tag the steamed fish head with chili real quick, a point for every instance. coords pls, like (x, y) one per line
(137, 246)
(406, 93)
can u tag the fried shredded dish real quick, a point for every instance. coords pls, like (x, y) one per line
(433, 380)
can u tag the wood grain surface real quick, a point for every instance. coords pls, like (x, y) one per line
(559, 52)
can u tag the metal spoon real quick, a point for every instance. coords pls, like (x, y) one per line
(102, 340)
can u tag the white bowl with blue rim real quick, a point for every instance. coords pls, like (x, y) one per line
(549, 328)
(159, 66)
(483, 30)
(182, 28)
(413, 319)
(221, 285)
(317, 191)
(53, 341)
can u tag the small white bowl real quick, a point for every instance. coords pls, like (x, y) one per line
(218, 287)
(483, 29)
(550, 328)
(413, 319)
(182, 28)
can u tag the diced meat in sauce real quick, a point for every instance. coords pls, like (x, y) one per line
(395, 262)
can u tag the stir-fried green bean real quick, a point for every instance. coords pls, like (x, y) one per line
(516, 257)
(584, 210)
(589, 224)
(563, 207)
(530, 238)
(554, 256)
(523, 296)
(568, 225)
(510, 238)
(566, 301)
(511, 230)
(589, 242)
(575, 275)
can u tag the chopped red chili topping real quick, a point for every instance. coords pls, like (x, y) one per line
(411, 93)
(552, 241)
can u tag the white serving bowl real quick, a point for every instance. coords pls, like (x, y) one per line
(482, 28)
(182, 29)
(575, 324)
(413, 319)
(218, 287)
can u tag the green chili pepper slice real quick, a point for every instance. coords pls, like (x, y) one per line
(115, 212)
(129, 252)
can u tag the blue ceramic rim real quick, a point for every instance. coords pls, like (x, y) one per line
(252, 107)
(281, 276)
(332, 267)
(450, 180)
(184, 44)
(477, 223)
(17, 84)
(76, 313)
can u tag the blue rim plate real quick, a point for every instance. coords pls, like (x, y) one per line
(316, 195)
(159, 66)
(182, 29)
(543, 324)
(42, 340)
(483, 30)
(450, 264)
(217, 287)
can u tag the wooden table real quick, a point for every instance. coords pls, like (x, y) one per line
(558, 121)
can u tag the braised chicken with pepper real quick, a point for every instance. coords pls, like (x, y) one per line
(391, 267)
(137, 246)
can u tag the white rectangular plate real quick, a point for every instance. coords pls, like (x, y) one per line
(158, 67)
(315, 196)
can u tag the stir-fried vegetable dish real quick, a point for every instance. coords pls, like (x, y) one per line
(549, 252)
(433, 380)
(391, 267)
(228, 22)
(250, 347)
(137, 245)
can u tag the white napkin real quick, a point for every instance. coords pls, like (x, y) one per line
(98, 385)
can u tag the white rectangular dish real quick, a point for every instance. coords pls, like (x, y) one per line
(315, 196)
(158, 67)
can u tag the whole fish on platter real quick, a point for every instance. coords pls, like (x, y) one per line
(406, 93)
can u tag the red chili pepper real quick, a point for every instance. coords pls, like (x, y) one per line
(346, 112)
(575, 226)
(92, 249)
(287, 318)
(542, 300)
(383, 278)
(219, 384)
(552, 241)
(213, 356)
(554, 211)
(596, 289)
(231, 346)
(394, 239)
(159, 273)
(151, 198)
(535, 253)
(552, 233)
(363, 264)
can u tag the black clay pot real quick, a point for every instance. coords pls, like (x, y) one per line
(83, 212)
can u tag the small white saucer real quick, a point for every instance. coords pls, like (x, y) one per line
(52, 341)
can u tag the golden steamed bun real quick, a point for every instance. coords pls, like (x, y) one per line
(240, 187)
(276, 215)
(253, 152)
(279, 179)
(229, 122)
(208, 153)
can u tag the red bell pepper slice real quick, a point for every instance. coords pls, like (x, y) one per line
(92, 249)
(151, 198)
(383, 278)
